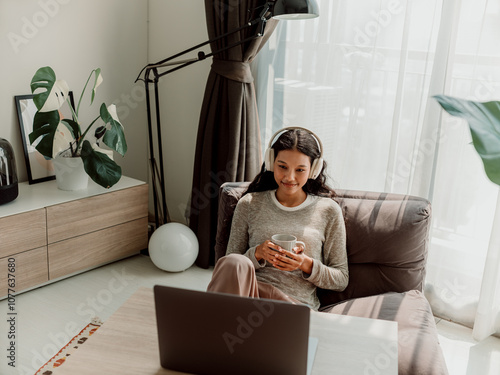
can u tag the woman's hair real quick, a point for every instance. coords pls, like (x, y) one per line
(304, 142)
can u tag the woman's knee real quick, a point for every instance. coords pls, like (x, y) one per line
(234, 274)
(235, 261)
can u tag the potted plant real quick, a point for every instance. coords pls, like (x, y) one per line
(66, 139)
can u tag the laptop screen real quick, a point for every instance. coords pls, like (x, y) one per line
(215, 333)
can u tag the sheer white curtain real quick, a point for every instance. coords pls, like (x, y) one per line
(361, 76)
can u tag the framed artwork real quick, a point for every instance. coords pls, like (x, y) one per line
(39, 167)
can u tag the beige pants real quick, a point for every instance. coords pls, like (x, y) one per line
(235, 274)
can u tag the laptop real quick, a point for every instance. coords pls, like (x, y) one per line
(209, 333)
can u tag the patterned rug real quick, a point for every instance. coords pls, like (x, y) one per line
(50, 368)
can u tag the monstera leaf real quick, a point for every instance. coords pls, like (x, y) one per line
(114, 136)
(55, 135)
(99, 166)
(97, 82)
(50, 94)
(484, 124)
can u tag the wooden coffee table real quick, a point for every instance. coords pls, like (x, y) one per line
(127, 343)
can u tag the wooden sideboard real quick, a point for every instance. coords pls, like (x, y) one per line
(49, 234)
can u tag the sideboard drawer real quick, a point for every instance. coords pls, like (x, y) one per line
(22, 232)
(96, 248)
(102, 211)
(30, 270)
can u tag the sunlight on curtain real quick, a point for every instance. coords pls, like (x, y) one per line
(361, 76)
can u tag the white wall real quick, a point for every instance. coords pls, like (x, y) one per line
(174, 27)
(74, 37)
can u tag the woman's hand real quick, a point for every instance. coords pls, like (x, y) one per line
(284, 260)
(266, 251)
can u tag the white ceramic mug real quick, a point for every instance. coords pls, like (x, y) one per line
(286, 241)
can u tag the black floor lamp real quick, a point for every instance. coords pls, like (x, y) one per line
(151, 74)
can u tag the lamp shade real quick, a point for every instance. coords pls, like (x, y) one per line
(295, 9)
(173, 247)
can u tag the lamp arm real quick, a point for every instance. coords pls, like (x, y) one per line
(203, 56)
(261, 20)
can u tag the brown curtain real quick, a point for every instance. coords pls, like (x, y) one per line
(228, 143)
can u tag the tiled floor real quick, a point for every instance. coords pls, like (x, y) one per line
(49, 316)
(463, 355)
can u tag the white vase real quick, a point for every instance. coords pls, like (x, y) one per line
(70, 174)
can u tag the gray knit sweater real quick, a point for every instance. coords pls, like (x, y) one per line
(318, 222)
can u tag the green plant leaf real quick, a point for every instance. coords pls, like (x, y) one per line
(45, 126)
(55, 136)
(50, 94)
(63, 139)
(100, 167)
(73, 126)
(484, 124)
(99, 132)
(98, 80)
(114, 136)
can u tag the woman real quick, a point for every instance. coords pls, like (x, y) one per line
(289, 196)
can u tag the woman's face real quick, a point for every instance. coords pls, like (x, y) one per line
(291, 171)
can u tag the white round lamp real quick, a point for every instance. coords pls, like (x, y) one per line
(173, 247)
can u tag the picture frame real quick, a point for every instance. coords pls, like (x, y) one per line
(38, 167)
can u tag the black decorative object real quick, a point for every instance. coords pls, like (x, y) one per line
(8, 173)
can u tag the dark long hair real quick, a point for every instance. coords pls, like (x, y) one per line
(304, 142)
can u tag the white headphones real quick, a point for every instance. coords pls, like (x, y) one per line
(317, 164)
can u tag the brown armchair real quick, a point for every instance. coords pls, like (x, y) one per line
(387, 242)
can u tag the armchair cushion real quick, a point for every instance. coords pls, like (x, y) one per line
(419, 351)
